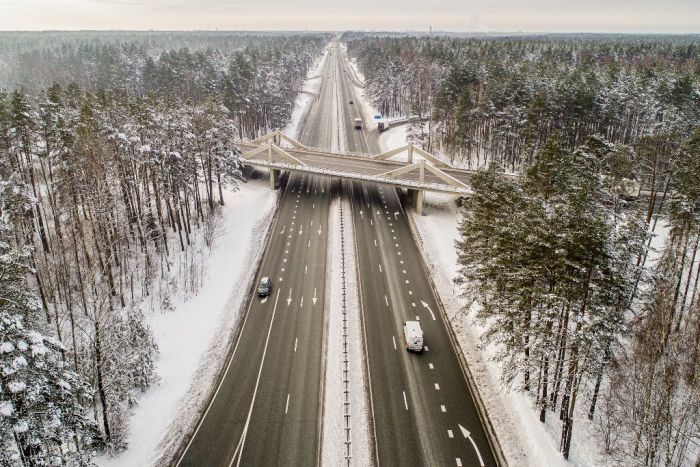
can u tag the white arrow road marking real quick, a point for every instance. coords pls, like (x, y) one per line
(405, 402)
(468, 436)
(286, 407)
(396, 215)
(314, 299)
(425, 305)
(289, 300)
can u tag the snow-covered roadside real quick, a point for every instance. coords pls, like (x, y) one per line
(194, 336)
(333, 449)
(303, 101)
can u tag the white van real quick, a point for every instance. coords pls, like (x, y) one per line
(413, 334)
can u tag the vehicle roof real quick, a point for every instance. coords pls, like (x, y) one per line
(265, 279)
(412, 325)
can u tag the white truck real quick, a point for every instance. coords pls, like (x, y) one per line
(413, 335)
(382, 124)
(358, 123)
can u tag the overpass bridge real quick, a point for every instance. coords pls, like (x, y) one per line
(426, 174)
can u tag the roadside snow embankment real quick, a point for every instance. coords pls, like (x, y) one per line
(303, 101)
(194, 337)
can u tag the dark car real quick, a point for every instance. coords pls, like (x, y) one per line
(264, 287)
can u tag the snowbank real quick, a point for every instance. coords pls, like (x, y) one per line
(303, 101)
(193, 337)
(333, 449)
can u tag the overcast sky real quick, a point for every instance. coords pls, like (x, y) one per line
(673, 16)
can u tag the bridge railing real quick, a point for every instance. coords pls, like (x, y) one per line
(411, 184)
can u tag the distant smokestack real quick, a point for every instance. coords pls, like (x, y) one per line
(430, 30)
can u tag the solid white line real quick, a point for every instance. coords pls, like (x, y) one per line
(405, 402)
(241, 442)
(286, 407)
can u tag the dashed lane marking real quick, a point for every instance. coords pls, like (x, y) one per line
(431, 366)
(405, 402)
(286, 407)
(437, 387)
(443, 409)
(450, 434)
(393, 339)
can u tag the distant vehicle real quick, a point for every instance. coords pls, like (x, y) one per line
(358, 123)
(413, 335)
(265, 287)
(351, 102)
(383, 124)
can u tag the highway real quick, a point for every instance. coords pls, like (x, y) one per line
(421, 403)
(267, 409)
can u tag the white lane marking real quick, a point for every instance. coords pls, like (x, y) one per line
(450, 434)
(264, 300)
(386, 300)
(306, 266)
(401, 261)
(289, 300)
(312, 222)
(468, 435)
(285, 260)
(283, 229)
(280, 279)
(407, 281)
(410, 292)
(300, 229)
(241, 441)
(431, 366)
(437, 387)
(413, 304)
(362, 214)
(417, 318)
(394, 341)
(426, 348)
(296, 341)
(290, 235)
(375, 242)
(314, 297)
(371, 222)
(286, 407)
(319, 230)
(313, 205)
(405, 402)
(394, 237)
(425, 305)
(308, 244)
(380, 268)
(404, 271)
(289, 243)
(443, 409)
(459, 462)
(396, 245)
(399, 253)
(301, 305)
(286, 252)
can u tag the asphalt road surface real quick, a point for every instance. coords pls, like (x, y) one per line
(423, 410)
(266, 410)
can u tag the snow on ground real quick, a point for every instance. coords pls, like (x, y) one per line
(303, 101)
(193, 337)
(333, 449)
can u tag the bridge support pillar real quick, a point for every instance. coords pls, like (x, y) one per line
(274, 175)
(415, 199)
(419, 202)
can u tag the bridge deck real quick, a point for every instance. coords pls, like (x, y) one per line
(358, 166)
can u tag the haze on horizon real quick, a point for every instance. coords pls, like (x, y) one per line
(625, 16)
